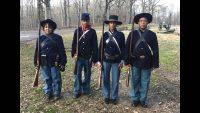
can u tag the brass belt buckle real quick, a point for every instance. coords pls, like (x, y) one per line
(142, 57)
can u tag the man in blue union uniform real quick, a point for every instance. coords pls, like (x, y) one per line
(87, 53)
(142, 57)
(113, 58)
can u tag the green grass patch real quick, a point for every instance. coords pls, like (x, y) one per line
(154, 80)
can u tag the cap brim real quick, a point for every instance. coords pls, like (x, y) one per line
(117, 22)
(146, 15)
(54, 25)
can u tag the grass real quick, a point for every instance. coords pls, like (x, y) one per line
(154, 80)
(31, 98)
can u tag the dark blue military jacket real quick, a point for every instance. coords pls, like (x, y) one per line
(135, 60)
(87, 45)
(50, 48)
(119, 37)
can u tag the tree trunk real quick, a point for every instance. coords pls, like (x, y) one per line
(65, 13)
(108, 12)
(87, 3)
(61, 19)
(21, 17)
(152, 12)
(143, 6)
(82, 8)
(93, 19)
(130, 10)
(68, 14)
(47, 9)
(105, 11)
(39, 11)
(170, 17)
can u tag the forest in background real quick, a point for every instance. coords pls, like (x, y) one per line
(65, 12)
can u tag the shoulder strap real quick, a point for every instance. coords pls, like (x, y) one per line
(140, 39)
(53, 40)
(112, 38)
(43, 42)
(49, 38)
(83, 34)
(143, 39)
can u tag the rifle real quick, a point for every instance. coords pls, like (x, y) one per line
(100, 73)
(127, 77)
(129, 56)
(35, 82)
(77, 36)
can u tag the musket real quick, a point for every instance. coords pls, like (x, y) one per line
(35, 82)
(100, 73)
(127, 77)
(100, 80)
(129, 56)
(77, 37)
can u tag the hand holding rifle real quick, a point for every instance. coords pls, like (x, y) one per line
(37, 68)
(129, 56)
(99, 67)
(128, 75)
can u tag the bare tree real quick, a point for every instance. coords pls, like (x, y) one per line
(161, 13)
(64, 11)
(78, 9)
(99, 2)
(62, 14)
(143, 5)
(82, 6)
(119, 4)
(47, 8)
(152, 4)
(28, 15)
(21, 15)
(132, 2)
(68, 14)
(94, 10)
(107, 3)
(39, 5)
(170, 18)
(87, 3)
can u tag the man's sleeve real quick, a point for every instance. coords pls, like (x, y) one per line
(123, 47)
(127, 47)
(95, 48)
(154, 47)
(74, 43)
(62, 52)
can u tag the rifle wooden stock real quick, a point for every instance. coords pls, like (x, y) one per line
(35, 82)
(129, 56)
(127, 77)
(100, 80)
(100, 76)
(75, 65)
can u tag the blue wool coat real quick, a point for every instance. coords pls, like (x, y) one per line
(151, 61)
(120, 38)
(49, 49)
(87, 46)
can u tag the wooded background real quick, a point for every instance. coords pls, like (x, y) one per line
(64, 12)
